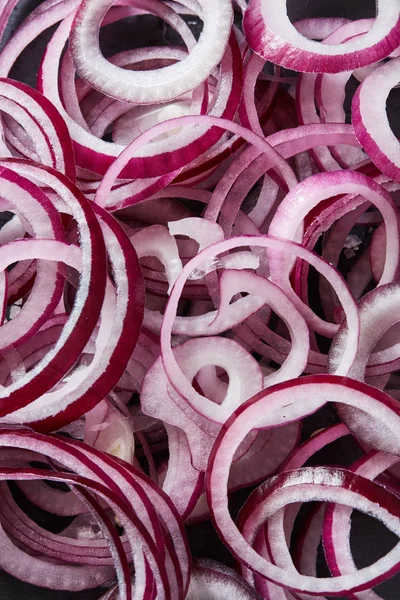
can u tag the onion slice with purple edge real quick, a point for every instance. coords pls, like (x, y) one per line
(187, 398)
(83, 317)
(289, 217)
(379, 312)
(159, 401)
(96, 155)
(20, 100)
(273, 544)
(146, 501)
(73, 400)
(370, 121)
(383, 302)
(159, 85)
(129, 303)
(270, 34)
(289, 402)
(41, 220)
(321, 484)
(61, 576)
(336, 532)
(123, 159)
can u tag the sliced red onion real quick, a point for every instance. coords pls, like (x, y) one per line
(44, 126)
(288, 219)
(160, 402)
(382, 302)
(213, 581)
(57, 576)
(370, 121)
(249, 114)
(115, 347)
(232, 283)
(189, 365)
(284, 408)
(156, 241)
(260, 505)
(337, 519)
(288, 143)
(155, 86)
(269, 450)
(270, 34)
(6, 6)
(41, 220)
(317, 441)
(127, 122)
(276, 540)
(173, 371)
(79, 459)
(53, 501)
(319, 98)
(84, 321)
(124, 158)
(98, 155)
(81, 542)
(45, 15)
(132, 296)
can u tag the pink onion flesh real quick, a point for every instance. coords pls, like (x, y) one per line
(199, 298)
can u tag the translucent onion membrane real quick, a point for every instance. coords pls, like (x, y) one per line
(199, 298)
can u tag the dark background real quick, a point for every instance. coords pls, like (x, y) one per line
(369, 539)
